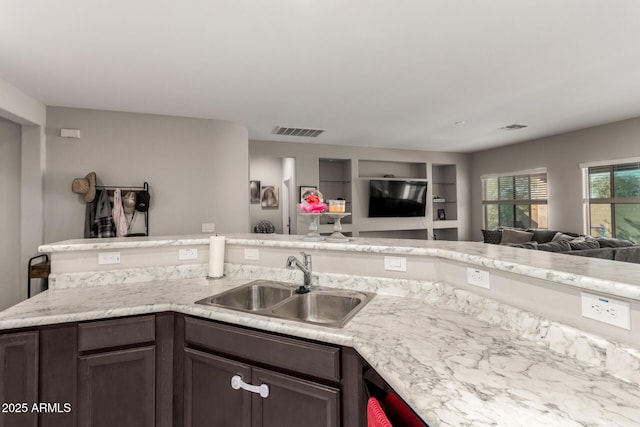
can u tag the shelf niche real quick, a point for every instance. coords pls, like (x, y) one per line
(391, 170)
(444, 185)
(334, 183)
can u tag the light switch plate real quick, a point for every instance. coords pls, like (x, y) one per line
(607, 310)
(108, 258)
(188, 253)
(395, 263)
(209, 227)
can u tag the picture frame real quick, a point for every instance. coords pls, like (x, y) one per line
(441, 215)
(254, 192)
(269, 197)
(304, 189)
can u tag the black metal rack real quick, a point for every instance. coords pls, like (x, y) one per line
(145, 187)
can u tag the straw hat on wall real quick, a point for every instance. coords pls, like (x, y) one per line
(86, 187)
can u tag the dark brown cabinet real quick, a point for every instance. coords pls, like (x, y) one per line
(19, 379)
(294, 399)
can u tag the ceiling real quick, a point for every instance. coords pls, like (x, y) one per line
(374, 73)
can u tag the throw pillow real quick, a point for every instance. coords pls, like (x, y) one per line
(492, 236)
(562, 236)
(515, 236)
(613, 243)
(582, 243)
(525, 245)
(542, 235)
(561, 246)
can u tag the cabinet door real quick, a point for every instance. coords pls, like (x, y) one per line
(18, 379)
(117, 388)
(293, 402)
(209, 399)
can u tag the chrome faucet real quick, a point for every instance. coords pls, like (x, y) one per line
(305, 268)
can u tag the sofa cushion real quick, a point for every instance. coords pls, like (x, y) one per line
(628, 254)
(542, 235)
(515, 236)
(602, 253)
(581, 243)
(613, 243)
(561, 246)
(525, 245)
(492, 236)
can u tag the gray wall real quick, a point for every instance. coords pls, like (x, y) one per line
(197, 169)
(561, 155)
(10, 219)
(307, 157)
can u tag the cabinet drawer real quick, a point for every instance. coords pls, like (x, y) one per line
(116, 332)
(308, 358)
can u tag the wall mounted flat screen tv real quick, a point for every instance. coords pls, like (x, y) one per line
(397, 198)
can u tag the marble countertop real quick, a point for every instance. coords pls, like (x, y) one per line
(453, 369)
(591, 274)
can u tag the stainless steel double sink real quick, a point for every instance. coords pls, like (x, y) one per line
(322, 306)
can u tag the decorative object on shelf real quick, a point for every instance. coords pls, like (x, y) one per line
(389, 175)
(441, 215)
(269, 196)
(438, 199)
(312, 235)
(265, 227)
(312, 206)
(337, 206)
(254, 192)
(312, 202)
(305, 189)
(337, 235)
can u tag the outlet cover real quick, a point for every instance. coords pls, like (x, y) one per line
(188, 253)
(477, 277)
(606, 310)
(395, 263)
(108, 258)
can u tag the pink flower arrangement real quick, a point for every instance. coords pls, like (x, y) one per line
(313, 203)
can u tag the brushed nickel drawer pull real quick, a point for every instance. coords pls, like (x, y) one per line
(237, 383)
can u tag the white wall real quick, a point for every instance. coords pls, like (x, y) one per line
(197, 169)
(561, 155)
(10, 240)
(307, 157)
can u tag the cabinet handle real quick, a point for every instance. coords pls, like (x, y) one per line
(237, 383)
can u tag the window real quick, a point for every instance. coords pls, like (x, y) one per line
(614, 200)
(515, 200)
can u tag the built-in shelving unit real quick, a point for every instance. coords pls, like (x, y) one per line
(444, 190)
(391, 170)
(335, 183)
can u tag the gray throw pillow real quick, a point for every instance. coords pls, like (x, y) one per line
(515, 236)
(613, 243)
(561, 236)
(582, 243)
(542, 235)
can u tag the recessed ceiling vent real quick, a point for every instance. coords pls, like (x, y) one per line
(513, 127)
(287, 131)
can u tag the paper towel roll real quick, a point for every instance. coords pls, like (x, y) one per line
(216, 256)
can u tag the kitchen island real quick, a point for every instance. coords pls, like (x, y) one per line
(457, 356)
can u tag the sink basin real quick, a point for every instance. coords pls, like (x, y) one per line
(254, 296)
(321, 306)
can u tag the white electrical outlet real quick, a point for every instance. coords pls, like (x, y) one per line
(208, 227)
(477, 277)
(252, 254)
(607, 310)
(395, 263)
(109, 258)
(188, 253)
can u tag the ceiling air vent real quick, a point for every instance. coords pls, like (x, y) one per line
(513, 127)
(286, 131)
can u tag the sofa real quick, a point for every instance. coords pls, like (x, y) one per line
(565, 242)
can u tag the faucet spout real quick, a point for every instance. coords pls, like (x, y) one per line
(305, 267)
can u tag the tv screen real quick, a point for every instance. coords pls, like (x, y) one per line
(389, 198)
